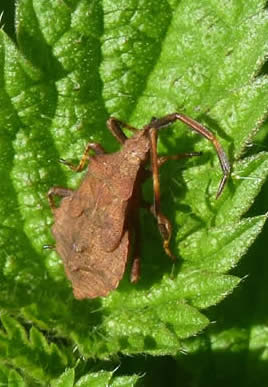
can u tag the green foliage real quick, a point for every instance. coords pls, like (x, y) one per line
(77, 63)
(38, 359)
(94, 379)
(9, 377)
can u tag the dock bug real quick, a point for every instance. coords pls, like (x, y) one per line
(96, 224)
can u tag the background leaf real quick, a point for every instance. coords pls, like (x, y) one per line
(77, 63)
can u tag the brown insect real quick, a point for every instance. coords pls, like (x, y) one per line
(94, 224)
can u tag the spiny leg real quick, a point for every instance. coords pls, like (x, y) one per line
(135, 267)
(164, 224)
(97, 148)
(115, 126)
(57, 191)
(162, 159)
(197, 127)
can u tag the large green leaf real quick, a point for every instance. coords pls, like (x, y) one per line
(77, 63)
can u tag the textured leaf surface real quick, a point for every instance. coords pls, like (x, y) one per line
(98, 379)
(66, 379)
(33, 354)
(77, 63)
(10, 377)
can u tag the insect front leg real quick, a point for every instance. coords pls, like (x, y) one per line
(135, 267)
(161, 160)
(197, 127)
(164, 224)
(57, 191)
(97, 148)
(115, 126)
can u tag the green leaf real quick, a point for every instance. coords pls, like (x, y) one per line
(14, 379)
(98, 379)
(4, 371)
(9, 377)
(125, 381)
(75, 64)
(232, 241)
(64, 380)
(147, 330)
(34, 355)
(95, 379)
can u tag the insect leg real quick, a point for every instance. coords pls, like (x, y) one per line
(135, 267)
(97, 148)
(164, 224)
(161, 160)
(57, 191)
(115, 126)
(197, 127)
